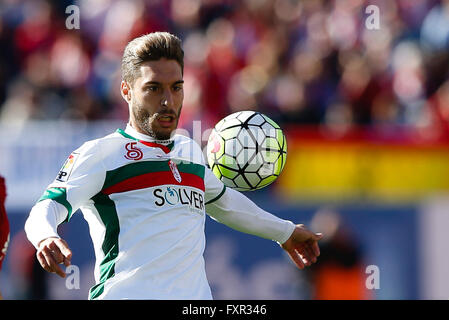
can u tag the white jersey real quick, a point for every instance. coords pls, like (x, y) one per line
(145, 206)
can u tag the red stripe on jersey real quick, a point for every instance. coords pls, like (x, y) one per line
(155, 145)
(154, 179)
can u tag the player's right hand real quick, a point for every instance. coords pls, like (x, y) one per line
(52, 252)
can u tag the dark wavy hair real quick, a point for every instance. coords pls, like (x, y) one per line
(152, 46)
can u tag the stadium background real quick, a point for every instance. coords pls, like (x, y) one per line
(365, 113)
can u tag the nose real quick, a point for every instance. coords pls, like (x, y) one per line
(167, 99)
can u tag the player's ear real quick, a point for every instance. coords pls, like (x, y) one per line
(125, 90)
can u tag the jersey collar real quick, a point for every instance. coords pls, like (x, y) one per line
(131, 133)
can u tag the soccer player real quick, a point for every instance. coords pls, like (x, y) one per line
(4, 224)
(144, 192)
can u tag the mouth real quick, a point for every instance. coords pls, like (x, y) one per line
(166, 121)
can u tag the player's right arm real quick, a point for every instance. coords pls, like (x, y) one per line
(80, 178)
(41, 228)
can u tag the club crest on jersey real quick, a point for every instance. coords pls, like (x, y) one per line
(67, 167)
(133, 153)
(175, 171)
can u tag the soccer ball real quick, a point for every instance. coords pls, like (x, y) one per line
(246, 150)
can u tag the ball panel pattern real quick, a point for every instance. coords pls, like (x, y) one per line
(247, 150)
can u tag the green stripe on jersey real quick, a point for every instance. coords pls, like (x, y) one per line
(142, 167)
(108, 214)
(123, 133)
(59, 195)
(217, 197)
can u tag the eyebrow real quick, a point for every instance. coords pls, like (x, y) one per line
(158, 83)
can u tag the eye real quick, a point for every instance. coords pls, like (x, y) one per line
(177, 88)
(152, 88)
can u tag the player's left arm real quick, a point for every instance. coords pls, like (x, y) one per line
(235, 210)
(302, 246)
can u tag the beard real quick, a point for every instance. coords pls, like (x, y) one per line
(146, 122)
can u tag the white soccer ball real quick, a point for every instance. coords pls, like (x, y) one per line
(247, 150)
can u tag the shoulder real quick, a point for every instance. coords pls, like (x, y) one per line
(100, 145)
(88, 159)
(92, 152)
(181, 139)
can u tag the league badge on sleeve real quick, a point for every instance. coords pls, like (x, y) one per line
(67, 168)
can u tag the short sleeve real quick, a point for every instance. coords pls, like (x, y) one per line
(80, 178)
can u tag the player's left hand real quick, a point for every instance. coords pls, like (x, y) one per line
(302, 246)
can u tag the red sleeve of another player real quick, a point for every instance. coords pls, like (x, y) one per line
(4, 224)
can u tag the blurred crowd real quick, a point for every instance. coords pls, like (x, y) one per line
(301, 62)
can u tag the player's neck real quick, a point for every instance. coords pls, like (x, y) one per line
(145, 137)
